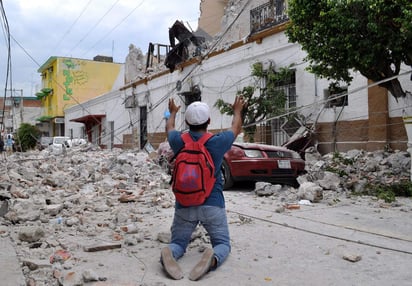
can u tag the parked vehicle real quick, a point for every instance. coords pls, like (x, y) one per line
(261, 162)
(76, 142)
(44, 142)
(60, 142)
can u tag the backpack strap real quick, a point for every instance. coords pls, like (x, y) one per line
(186, 138)
(202, 140)
(205, 137)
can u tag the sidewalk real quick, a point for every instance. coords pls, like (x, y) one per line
(10, 269)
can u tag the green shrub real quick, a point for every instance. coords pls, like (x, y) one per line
(388, 193)
(402, 189)
(337, 171)
(27, 137)
(337, 157)
(385, 194)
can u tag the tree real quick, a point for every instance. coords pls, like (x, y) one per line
(373, 37)
(27, 136)
(270, 101)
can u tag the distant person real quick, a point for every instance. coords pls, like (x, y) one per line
(9, 143)
(212, 213)
(13, 145)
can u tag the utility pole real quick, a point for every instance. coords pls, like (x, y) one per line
(21, 106)
(12, 102)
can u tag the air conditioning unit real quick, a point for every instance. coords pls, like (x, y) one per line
(193, 95)
(130, 102)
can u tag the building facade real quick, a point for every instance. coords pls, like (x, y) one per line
(364, 117)
(68, 81)
(17, 109)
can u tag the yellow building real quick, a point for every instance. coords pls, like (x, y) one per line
(70, 81)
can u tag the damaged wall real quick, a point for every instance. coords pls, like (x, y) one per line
(211, 14)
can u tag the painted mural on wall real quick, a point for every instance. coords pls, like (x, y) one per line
(73, 76)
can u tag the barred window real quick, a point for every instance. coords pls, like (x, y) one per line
(288, 87)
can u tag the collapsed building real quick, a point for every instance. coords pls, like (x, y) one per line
(189, 45)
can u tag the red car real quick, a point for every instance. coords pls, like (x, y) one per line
(260, 162)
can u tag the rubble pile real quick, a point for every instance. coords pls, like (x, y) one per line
(60, 209)
(353, 170)
(54, 206)
(335, 175)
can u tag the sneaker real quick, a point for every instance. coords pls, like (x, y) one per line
(203, 266)
(170, 265)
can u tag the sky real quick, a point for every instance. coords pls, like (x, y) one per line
(82, 29)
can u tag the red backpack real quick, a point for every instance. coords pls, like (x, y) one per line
(194, 172)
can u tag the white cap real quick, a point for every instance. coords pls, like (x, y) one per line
(197, 113)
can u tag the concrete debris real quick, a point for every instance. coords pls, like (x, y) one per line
(310, 191)
(352, 257)
(337, 174)
(89, 275)
(36, 264)
(94, 248)
(31, 234)
(69, 201)
(164, 237)
(60, 256)
(292, 206)
(266, 189)
(131, 228)
(73, 206)
(4, 207)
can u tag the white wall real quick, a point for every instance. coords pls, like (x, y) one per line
(110, 104)
(25, 114)
(402, 106)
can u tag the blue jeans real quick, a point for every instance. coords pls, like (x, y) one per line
(213, 220)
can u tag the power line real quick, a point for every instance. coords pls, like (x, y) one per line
(25, 51)
(95, 25)
(115, 27)
(67, 32)
(58, 84)
(6, 29)
(214, 45)
(71, 27)
(329, 99)
(121, 128)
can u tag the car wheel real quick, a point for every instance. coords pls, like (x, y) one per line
(226, 176)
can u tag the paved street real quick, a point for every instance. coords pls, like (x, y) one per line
(313, 245)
